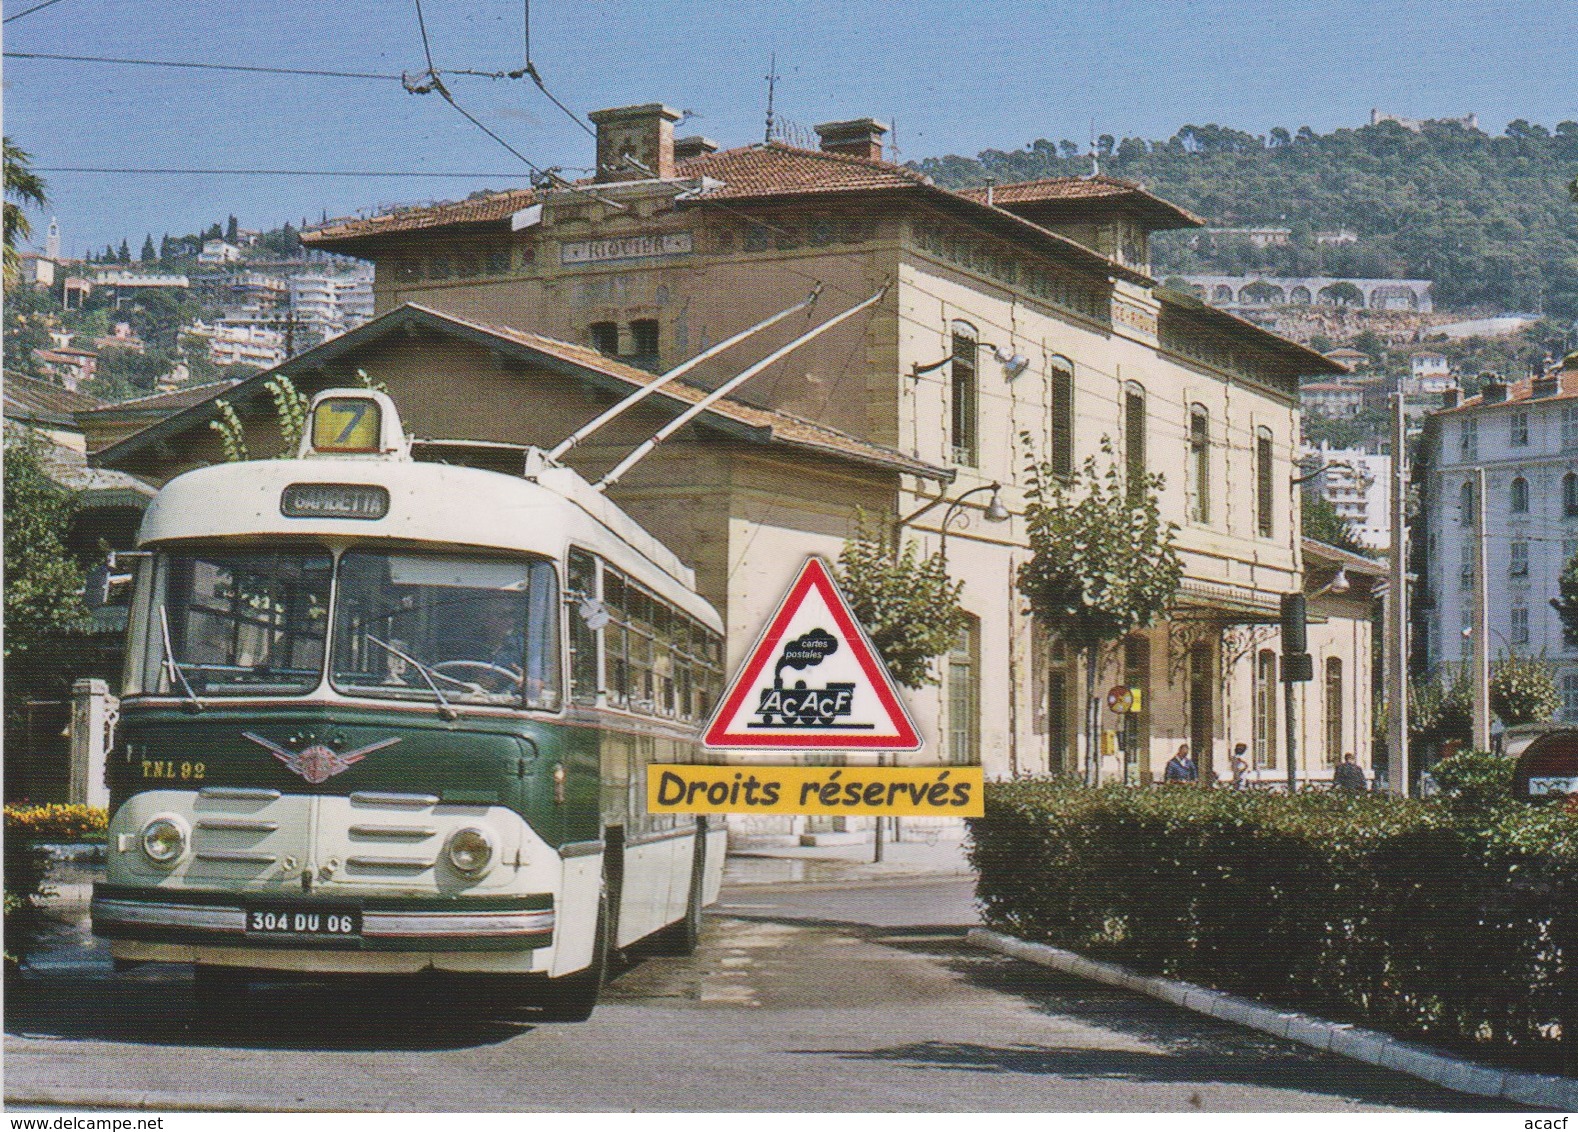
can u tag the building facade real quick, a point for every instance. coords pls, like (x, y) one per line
(1014, 324)
(1524, 437)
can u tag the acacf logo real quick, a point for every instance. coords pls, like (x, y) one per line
(844, 700)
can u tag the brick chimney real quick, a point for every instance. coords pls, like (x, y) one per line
(859, 138)
(644, 133)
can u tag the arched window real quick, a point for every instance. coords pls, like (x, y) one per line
(1520, 496)
(966, 344)
(1465, 504)
(1570, 495)
(1134, 435)
(1199, 464)
(1061, 373)
(1264, 482)
(1334, 705)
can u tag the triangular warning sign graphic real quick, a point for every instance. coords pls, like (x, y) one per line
(813, 681)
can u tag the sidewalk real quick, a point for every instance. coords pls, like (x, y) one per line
(770, 861)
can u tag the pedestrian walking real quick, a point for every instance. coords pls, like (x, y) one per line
(1240, 766)
(1181, 768)
(1349, 775)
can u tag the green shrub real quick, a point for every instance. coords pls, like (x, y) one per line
(1475, 779)
(1399, 914)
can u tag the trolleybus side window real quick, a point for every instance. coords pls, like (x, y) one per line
(229, 622)
(655, 659)
(447, 627)
(583, 598)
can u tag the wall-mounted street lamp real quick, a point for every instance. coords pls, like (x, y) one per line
(1339, 583)
(995, 512)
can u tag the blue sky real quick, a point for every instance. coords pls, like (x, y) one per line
(956, 77)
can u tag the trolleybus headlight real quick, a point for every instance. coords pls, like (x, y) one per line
(470, 851)
(164, 840)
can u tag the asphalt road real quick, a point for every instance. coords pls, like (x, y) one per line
(801, 999)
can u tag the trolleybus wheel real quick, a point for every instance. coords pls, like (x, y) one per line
(572, 998)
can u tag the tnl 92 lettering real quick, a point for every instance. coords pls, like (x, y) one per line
(169, 768)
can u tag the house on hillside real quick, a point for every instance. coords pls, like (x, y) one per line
(1016, 322)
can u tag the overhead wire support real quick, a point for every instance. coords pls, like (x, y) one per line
(678, 371)
(729, 386)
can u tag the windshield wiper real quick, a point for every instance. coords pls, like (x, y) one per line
(172, 666)
(444, 707)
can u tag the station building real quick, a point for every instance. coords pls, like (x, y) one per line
(1016, 323)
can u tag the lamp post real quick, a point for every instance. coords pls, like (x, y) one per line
(995, 513)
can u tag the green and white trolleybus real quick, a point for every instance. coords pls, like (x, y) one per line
(389, 716)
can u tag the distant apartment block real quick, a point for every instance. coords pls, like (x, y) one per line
(325, 304)
(1357, 484)
(241, 342)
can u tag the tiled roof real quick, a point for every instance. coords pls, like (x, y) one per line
(780, 426)
(776, 169)
(480, 210)
(764, 424)
(1056, 191)
(27, 398)
(170, 402)
(1524, 391)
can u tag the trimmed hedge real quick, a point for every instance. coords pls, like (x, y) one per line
(1457, 926)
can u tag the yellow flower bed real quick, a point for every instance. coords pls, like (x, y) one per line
(55, 822)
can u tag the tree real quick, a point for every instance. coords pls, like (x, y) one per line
(43, 583)
(1523, 690)
(43, 609)
(232, 230)
(909, 607)
(149, 253)
(125, 252)
(24, 189)
(1323, 524)
(1566, 605)
(1102, 563)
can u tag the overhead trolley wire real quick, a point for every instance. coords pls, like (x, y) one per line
(30, 11)
(266, 172)
(199, 66)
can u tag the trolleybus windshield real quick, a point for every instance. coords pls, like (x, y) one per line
(446, 627)
(239, 622)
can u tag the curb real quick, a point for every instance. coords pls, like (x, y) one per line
(154, 1101)
(1560, 1093)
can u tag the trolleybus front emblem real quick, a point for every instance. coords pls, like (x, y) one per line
(318, 763)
